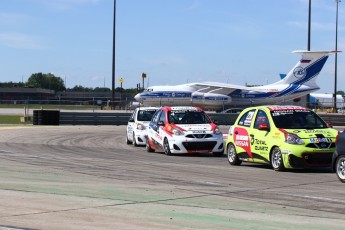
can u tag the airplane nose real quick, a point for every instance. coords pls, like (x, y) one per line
(137, 97)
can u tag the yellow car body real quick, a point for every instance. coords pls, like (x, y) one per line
(282, 136)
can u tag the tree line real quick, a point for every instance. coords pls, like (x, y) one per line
(52, 82)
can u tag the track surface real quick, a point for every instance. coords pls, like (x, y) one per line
(86, 177)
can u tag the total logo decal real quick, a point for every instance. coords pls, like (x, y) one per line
(242, 139)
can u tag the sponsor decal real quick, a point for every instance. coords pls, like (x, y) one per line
(260, 145)
(158, 136)
(242, 140)
(198, 131)
(317, 131)
(289, 108)
(249, 118)
(183, 109)
(286, 151)
(320, 140)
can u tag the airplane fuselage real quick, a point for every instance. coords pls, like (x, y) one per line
(300, 81)
(188, 96)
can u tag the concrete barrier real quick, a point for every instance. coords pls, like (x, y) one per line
(121, 118)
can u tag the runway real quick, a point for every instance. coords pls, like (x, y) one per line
(87, 177)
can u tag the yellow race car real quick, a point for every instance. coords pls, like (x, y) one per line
(282, 136)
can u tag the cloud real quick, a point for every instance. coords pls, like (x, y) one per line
(19, 41)
(12, 19)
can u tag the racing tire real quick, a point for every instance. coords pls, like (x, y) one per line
(232, 155)
(148, 147)
(277, 159)
(340, 168)
(166, 147)
(134, 142)
(128, 142)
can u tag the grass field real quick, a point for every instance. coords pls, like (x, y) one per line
(46, 106)
(12, 119)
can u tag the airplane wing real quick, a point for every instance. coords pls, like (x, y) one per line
(223, 88)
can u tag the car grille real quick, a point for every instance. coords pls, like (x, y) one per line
(198, 146)
(321, 145)
(199, 136)
(311, 160)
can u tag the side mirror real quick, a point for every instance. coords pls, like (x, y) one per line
(263, 127)
(160, 123)
(329, 124)
(131, 120)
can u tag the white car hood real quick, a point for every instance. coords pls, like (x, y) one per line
(193, 127)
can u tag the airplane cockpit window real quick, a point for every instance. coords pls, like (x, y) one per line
(148, 90)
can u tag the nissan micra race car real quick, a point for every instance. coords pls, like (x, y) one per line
(282, 136)
(137, 125)
(184, 130)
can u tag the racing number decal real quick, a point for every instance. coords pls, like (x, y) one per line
(242, 140)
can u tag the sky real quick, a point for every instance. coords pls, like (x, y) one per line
(172, 41)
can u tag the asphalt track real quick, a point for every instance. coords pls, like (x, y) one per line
(86, 177)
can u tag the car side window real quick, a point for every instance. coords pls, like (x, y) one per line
(156, 116)
(261, 118)
(162, 117)
(247, 118)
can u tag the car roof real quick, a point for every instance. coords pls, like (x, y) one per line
(148, 108)
(278, 107)
(182, 108)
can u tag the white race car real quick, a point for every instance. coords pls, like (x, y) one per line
(184, 130)
(137, 125)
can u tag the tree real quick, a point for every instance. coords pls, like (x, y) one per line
(46, 81)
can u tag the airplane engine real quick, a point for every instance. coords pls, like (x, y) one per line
(210, 98)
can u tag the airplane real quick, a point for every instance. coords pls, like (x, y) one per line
(300, 81)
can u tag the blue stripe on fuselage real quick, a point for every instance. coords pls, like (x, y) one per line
(166, 94)
(311, 72)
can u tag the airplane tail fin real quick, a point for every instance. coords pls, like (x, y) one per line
(307, 69)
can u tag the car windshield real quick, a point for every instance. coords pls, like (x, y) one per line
(297, 119)
(145, 115)
(188, 117)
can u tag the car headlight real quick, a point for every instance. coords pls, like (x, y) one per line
(217, 131)
(293, 139)
(140, 126)
(177, 132)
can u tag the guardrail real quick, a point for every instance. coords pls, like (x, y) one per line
(121, 118)
(93, 118)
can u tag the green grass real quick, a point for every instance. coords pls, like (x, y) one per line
(12, 119)
(46, 106)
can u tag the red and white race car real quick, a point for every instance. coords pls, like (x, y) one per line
(184, 130)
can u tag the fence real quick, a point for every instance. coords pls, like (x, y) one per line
(55, 117)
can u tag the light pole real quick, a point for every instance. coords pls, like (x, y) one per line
(309, 23)
(336, 61)
(113, 63)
